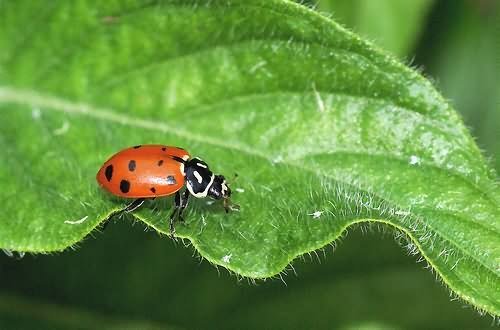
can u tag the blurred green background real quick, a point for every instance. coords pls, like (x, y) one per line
(130, 278)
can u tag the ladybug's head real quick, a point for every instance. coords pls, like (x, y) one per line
(220, 189)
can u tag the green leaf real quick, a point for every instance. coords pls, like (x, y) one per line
(465, 58)
(323, 130)
(394, 25)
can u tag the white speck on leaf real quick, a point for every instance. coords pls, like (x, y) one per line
(76, 222)
(36, 113)
(277, 159)
(227, 258)
(210, 202)
(319, 100)
(63, 129)
(203, 224)
(170, 94)
(403, 213)
(267, 188)
(257, 66)
(234, 208)
(240, 190)
(66, 198)
(316, 214)
(414, 160)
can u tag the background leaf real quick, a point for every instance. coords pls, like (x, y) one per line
(464, 55)
(365, 137)
(128, 275)
(394, 25)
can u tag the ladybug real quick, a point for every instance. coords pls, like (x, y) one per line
(149, 171)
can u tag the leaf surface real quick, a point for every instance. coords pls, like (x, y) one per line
(323, 130)
(392, 24)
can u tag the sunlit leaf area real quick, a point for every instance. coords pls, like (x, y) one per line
(359, 141)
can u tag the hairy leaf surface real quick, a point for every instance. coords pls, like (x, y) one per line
(323, 130)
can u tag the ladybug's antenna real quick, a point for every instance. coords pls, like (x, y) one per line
(229, 205)
(178, 159)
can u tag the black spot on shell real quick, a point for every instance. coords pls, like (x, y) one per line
(137, 147)
(160, 163)
(109, 172)
(163, 149)
(153, 190)
(124, 186)
(171, 180)
(131, 165)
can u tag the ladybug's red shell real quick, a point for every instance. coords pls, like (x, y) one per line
(145, 171)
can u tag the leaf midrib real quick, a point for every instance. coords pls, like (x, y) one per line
(32, 98)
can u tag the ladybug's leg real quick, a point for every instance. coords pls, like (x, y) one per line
(184, 204)
(134, 205)
(177, 204)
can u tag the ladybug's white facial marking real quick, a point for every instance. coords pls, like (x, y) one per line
(200, 194)
(201, 165)
(198, 176)
(219, 188)
(224, 188)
